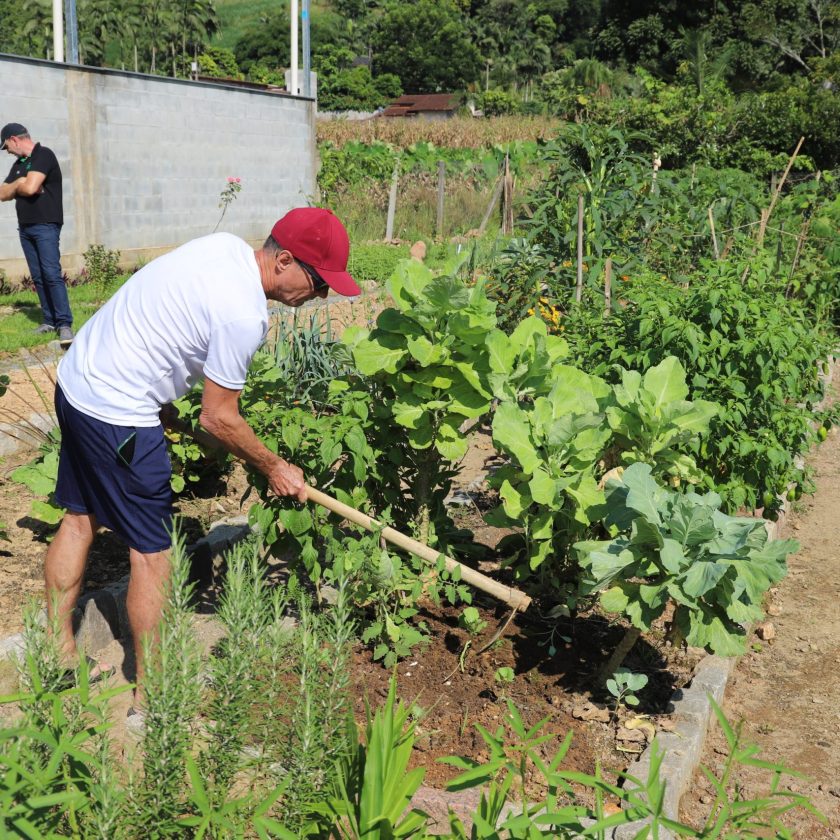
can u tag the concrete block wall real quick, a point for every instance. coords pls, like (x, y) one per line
(144, 158)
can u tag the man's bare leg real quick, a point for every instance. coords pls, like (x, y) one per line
(146, 595)
(64, 569)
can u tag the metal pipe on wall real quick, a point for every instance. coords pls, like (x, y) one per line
(295, 89)
(58, 31)
(72, 31)
(307, 59)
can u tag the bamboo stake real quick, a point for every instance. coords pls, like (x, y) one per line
(608, 286)
(579, 289)
(766, 218)
(714, 237)
(392, 203)
(497, 191)
(800, 241)
(507, 202)
(441, 191)
(510, 596)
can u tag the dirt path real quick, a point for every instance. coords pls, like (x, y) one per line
(786, 690)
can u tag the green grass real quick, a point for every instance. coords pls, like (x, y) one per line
(236, 17)
(17, 327)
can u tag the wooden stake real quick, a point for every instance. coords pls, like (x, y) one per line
(507, 594)
(800, 241)
(441, 191)
(497, 191)
(392, 202)
(714, 237)
(507, 203)
(608, 286)
(579, 289)
(766, 216)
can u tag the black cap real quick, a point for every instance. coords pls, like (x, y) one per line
(11, 130)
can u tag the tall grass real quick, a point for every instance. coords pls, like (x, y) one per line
(455, 133)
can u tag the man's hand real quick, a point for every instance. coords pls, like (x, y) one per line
(286, 479)
(9, 191)
(169, 417)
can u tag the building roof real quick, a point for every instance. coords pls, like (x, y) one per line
(408, 105)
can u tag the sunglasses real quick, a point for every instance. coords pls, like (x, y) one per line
(318, 282)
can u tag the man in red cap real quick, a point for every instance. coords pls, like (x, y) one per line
(199, 312)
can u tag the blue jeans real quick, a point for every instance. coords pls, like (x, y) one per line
(40, 247)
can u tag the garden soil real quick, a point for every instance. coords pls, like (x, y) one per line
(786, 691)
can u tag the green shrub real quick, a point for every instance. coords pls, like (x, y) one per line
(374, 262)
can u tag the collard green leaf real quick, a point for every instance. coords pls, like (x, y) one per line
(691, 524)
(543, 488)
(701, 576)
(515, 502)
(372, 357)
(644, 495)
(665, 383)
(423, 351)
(512, 433)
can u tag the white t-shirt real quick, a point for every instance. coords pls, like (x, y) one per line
(198, 311)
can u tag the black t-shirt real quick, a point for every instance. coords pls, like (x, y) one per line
(45, 207)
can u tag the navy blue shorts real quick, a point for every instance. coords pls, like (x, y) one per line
(120, 474)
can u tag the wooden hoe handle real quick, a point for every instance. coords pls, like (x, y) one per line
(512, 597)
(506, 594)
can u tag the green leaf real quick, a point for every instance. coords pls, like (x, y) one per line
(665, 383)
(514, 501)
(543, 488)
(373, 357)
(512, 433)
(644, 495)
(614, 600)
(46, 512)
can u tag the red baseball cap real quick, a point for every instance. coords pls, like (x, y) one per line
(315, 236)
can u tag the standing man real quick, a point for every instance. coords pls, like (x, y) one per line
(34, 182)
(199, 312)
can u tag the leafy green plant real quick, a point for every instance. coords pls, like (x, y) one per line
(679, 548)
(374, 786)
(516, 757)
(40, 477)
(623, 684)
(745, 347)
(172, 699)
(654, 423)
(384, 590)
(470, 619)
(101, 269)
(504, 675)
(425, 359)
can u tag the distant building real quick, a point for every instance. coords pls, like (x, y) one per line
(427, 106)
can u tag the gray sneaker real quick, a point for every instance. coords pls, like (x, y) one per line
(44, 329)
(65, 336)
(135, 722)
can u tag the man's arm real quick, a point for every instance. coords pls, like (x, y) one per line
(221, 418)
(32, 184)
(9, 191)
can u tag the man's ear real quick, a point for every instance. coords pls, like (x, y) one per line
(283, 260)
